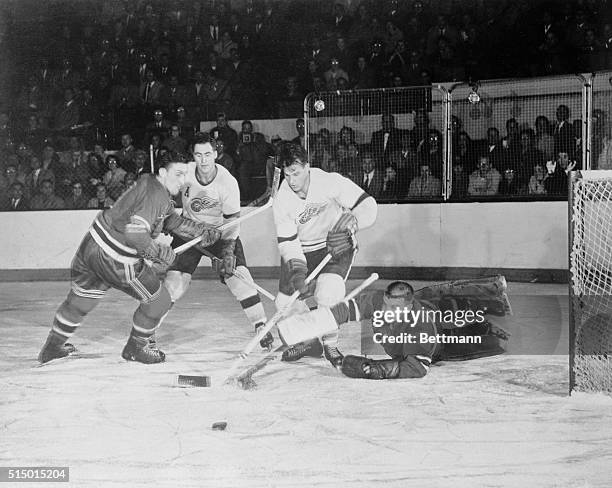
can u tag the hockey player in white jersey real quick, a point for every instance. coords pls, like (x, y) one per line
(211, 196)
(317, 213)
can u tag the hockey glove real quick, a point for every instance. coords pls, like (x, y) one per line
(297, 274)
(137, 236)
(360, 367)
(208, 235)
(226, 265)
(341, 237)
(165, 255)
(188, 229)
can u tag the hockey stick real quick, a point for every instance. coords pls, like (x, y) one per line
(254, 285)
(188, 245)
(244, 378)
(241, 277)
(262, 331)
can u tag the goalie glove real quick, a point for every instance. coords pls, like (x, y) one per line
(226, 265)
(370, 369)
(341, 237)
(297, 275)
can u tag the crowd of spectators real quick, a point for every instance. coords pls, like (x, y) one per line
(400, 164)
(89, 89)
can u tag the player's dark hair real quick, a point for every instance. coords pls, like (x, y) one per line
(399, 288)
(168, 158)
(205, 138)
(291, 153)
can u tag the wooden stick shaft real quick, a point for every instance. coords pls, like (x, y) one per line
(188, 245)
(242, 278)
(262, 331)
(272, 322)
(254, 285)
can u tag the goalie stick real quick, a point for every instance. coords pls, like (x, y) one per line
(244, 378)
(261, 333)
(232, 223)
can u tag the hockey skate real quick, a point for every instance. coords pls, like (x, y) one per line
(140, 349)
(334, 356)
(268, 339)
(312, 349)
(55, 348)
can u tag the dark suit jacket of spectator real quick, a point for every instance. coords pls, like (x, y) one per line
(375, 187)
(22, 205)
(229, 136)
(497, 154)
(155, 93)
(67, 115)
(394, 143)
(564, 138)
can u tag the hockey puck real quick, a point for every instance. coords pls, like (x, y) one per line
(219, 426)
(189, 380)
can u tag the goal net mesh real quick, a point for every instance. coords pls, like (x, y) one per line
(591, 281)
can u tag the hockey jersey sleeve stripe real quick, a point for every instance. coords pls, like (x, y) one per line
(144, 222)
(361, 198)
(287, 239)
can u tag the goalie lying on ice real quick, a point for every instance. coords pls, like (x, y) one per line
(446, 322)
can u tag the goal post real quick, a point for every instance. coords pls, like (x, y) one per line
(590, 287)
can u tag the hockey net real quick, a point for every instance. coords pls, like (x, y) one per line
(591, 281)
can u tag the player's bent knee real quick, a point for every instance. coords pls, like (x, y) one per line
(75, 307)
(177, 283)
(148, 315)
(330, 289)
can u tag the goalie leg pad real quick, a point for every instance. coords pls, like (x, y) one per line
(489, 345)
(306, 326)
(282, 300)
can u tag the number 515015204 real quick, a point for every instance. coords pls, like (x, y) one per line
(34, 474)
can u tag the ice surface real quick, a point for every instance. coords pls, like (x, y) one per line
(498, 422)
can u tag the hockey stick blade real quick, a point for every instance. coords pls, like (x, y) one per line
(261, 333)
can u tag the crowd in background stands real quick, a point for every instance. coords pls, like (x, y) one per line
(399, 164)
(84, 77)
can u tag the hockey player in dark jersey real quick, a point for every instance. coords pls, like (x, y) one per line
(446, 322)
(118, 252)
